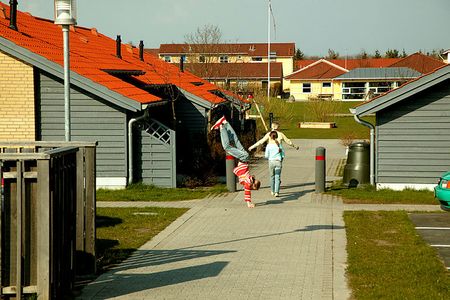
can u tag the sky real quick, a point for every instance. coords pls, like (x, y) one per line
(345, 26)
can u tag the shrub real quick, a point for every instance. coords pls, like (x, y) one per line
(318, 110)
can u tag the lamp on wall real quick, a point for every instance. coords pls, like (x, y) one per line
(65, 15)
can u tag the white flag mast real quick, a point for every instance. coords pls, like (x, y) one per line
(269, 14)
(268, 49)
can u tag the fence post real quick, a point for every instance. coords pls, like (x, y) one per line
(90, 204)
(320, 170)
(231, 179)
(43, 228)
(270, 120)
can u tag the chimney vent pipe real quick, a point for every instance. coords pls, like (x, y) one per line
(13, 14)
(118, 48)
(141, 50)
(182, 63)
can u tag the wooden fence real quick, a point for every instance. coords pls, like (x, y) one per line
(47, 219)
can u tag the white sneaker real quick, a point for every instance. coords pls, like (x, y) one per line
(276, 195)
(272, 193)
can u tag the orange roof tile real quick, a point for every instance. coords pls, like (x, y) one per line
(92, 52)
(251, 49)
(319, 70)
(419, 62)
(351, 64)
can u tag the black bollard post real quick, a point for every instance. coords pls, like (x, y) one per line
(270, 120)
(231, 178)
(320, 169)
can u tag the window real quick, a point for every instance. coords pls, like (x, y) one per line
(353, 90)
(201, 59)
(326, 84)
(224, 59)
(168, 59)
(306, 88)
(256, 58)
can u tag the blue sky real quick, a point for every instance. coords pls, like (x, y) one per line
(346, 26)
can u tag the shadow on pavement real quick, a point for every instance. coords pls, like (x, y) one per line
(290, 186)
(307, 228)
(128, 283)
(320, 227)
(145, 258)
(284, 197)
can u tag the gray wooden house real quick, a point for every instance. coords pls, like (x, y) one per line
(122, 98)
(412, 132)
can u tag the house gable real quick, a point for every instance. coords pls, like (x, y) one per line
(394, 96)
(413, 138)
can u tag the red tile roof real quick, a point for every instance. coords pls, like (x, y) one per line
(419, 62)
(321, 69)
(351, 64)
(236, 70)
(92, 52)
(251, 49)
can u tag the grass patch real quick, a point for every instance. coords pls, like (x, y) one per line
(142, 192)
(367, 194)
(120, 231)
(388, 260)
(290, 114)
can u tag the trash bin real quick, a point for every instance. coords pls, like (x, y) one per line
(357, 169)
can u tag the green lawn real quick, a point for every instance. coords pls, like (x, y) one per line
(120, 231)
(367, 194)
(141, 192)
(387, 259)
(290, 114)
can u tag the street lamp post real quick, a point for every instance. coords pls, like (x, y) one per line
(65, 15)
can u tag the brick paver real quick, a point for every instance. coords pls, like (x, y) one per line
(290, 247)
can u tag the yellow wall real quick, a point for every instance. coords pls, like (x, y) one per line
(17, 119)
(296, 89)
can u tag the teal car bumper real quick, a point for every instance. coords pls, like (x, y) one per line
(442, 191)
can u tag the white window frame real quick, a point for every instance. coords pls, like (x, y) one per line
(305, 87)
(328, 84)
(223, 59)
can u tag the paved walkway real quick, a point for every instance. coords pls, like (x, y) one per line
(290, 247)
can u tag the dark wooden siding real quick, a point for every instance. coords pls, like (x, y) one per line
(413, 138)
(91, 120)
(191, 117)
(155, 157)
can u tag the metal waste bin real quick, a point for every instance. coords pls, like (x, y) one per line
(357, 169)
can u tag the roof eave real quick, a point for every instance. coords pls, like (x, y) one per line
(57, 70)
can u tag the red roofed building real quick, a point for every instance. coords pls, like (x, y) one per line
(419, 62)
(367, 77)
(315, 81)
(211, 56)
(351, 64)
(112, 91)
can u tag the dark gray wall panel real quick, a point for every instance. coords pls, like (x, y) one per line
(92, 119)
(413, 138)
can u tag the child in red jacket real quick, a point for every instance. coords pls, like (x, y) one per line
(233, 146)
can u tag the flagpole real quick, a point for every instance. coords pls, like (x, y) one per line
(268, 51)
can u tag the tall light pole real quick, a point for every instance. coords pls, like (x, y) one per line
(65, 15)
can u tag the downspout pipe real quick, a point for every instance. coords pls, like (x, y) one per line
(130, 144)
(372, 145)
